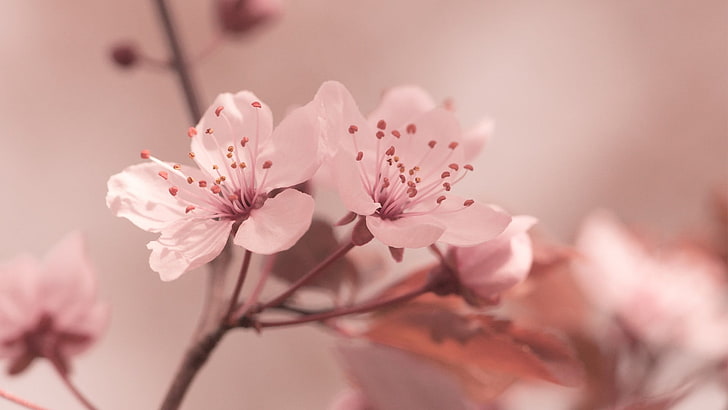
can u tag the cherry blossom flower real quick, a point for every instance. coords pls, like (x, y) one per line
(49, 308)
(241, 163)
(398, 169)
(496, 265)
(669, 297)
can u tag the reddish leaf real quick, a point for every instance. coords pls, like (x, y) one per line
(486, 353)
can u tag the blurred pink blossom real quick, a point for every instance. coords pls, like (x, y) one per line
(241, 161)
(398, 168)
(496, 265)
(49, 308)
(669, 297)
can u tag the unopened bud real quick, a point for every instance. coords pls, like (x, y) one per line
(240, 16)
(124, 55)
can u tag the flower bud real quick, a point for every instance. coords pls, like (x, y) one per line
(124, 55)
(240, 16)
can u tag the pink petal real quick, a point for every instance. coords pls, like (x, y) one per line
(295, 149)
(141, 196)
(339, 111)
(238, 119)
(407, 232)
(498, 264)
(278, 224)
(349, 183)
(437, 125)
(187, 245)
(401, 105)
(475, 138)
(471, 225)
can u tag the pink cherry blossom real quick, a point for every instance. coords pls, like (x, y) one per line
(399, 168)
(667, 297)
(496, 265)
(49, 308)
(240, 161)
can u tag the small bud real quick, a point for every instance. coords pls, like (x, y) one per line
(240, 16)
(124, 55)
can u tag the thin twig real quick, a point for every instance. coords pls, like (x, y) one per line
(310, 275)
(239, 284)
(67, 381)
(363, 308)
(21, 402)
(179, 61)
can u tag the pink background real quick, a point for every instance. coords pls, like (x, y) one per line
(616, 104)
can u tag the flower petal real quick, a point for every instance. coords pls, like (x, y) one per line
(471, 225)
(295, 149)
(350, 185)
(400, 105)
(278, 224)
(339, 111)
(238, 119)
(187, 245)
(141, 196)
(475, 138)
(408, 232)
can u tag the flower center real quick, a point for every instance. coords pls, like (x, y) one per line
(406, 175)
(231, 188)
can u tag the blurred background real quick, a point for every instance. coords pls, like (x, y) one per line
(622, 105)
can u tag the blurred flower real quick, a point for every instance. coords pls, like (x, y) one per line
(496, 265)
(673, 297)
(49, 308)
(240, 16)
(241, 160)
(398, 169)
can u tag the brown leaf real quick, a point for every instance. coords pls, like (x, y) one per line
(487, 354)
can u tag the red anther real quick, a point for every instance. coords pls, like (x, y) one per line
(191, 132)
(359, 156)
(173, 190)
(223, 178)
(145, 154)
(432, 143)
(215, 167)
(189, 209)
(256, 104)
(390, 151)
(447, 186)
(353, 129)
(402, 178)
(418, 180)
(385, 182)
(177, 166)
(267, 164)
(218, 110)
(412, 192)
(416, 168)
(396, 158)
(445, 174)
(468, 202)
(453, 145)
(229, 155)
(441, 198)
(381, 124)
(243, 165)
(233, 197)
(215, 189)
(396, 133)
(209, 131)
(231, 148)
(411, 184)
(468, 167)
(380, 134)
(163, 174)
(411, 128)
(244, 141)
(454, 166)
(411, 171)
(191, 155)
(202, 184)
(234, 165)
(190, 180)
